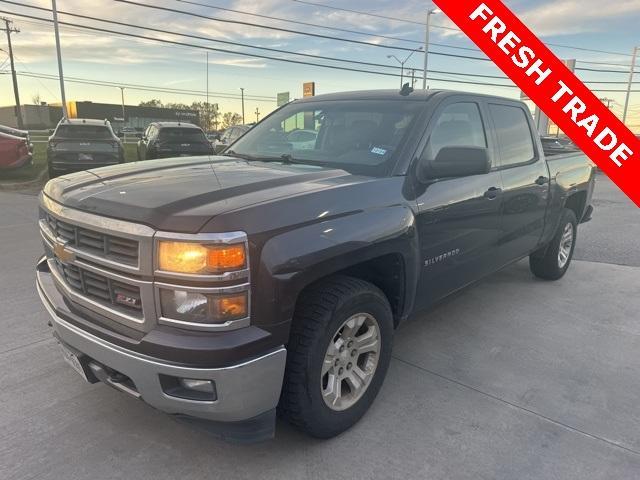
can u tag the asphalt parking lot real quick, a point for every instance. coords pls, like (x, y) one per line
(514, 378)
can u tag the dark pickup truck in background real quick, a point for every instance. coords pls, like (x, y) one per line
(224, 288)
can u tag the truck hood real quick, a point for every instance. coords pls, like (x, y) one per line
(183, 194)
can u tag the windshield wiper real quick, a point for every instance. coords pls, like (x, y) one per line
(285, 158)
(243, 156)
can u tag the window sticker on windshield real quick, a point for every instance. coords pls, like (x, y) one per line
(378, 151)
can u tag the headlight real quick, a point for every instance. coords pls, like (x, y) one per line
(203, 308)
(198, 258)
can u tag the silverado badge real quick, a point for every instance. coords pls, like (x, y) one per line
(62, 253)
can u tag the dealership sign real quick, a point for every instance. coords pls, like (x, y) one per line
(553, 87)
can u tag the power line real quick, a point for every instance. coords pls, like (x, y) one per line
(298, 22)
(171, 42)
(386, 17)
(146, 88)
(234, 52)
(335, 29)
(396, 19)
(249, 24)
(199, 37)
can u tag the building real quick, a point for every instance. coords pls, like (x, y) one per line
(42, 117)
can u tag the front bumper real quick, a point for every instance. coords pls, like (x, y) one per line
(244, 391)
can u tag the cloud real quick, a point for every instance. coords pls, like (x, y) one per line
(576, 16)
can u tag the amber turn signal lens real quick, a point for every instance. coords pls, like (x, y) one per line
(225, 258)
(229, 308)
(196, 258)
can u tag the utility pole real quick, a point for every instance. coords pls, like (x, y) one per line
(242, 93)
(122, 95)
(626, 100)
(9, 29)
(257, 115)
(56, 30)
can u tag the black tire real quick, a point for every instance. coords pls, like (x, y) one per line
(320, 312)
(545, 263)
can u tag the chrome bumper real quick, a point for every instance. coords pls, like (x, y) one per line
(244, 391)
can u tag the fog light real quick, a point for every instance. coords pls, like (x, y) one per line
(189, 388)
(205, 386)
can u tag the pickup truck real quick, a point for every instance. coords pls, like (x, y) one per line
(226, 289)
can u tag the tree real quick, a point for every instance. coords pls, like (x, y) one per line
(152, 103)
(36, 99)
(231, 118)
(207, 113)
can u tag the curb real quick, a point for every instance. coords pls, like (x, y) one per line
(38, 181)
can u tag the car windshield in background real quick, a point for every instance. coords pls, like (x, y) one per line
(357, 136)
(182, 135)
(84, 132)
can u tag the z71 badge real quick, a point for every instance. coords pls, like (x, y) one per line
(431, 261)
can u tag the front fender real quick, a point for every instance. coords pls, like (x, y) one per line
(292, 260)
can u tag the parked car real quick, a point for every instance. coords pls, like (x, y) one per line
(14, 151)
(223, 288)
(230, 135)
(18, 133)
(81, 144)
(302, 139)
(173, 139)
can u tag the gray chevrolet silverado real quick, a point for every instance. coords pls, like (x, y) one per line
(222, 289)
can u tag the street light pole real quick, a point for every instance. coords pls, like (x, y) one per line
(430, 12)
(402, 62)
(122, 96)
(626, 100)
(207, 104)
(56, 30)
(242, 93)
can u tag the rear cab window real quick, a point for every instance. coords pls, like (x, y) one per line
(178, 134)
(99, 132)
(514, 136)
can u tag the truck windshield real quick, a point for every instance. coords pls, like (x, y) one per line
(182, 135)
(84, 132)
(359, 136)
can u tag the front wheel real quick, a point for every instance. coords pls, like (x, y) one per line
(553, 262)
(338, 355)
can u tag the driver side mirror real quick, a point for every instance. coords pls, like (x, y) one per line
(455, 162)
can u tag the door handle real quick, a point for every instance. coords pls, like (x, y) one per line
(492, 193)
(541, 180)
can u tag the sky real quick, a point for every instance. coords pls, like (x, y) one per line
(611, 29)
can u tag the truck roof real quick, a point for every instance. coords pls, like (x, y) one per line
(394, 94)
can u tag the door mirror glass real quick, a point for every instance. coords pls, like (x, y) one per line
(456, 162)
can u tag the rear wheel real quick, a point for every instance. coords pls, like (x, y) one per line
(338, 355)
(553, 262)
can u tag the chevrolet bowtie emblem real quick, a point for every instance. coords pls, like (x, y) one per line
(61, 251)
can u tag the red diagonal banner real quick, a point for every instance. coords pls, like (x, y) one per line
(552, 86)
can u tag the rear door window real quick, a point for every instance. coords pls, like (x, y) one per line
(515, 140)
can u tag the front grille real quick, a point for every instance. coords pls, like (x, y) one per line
(118, 249)
(102, 289)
